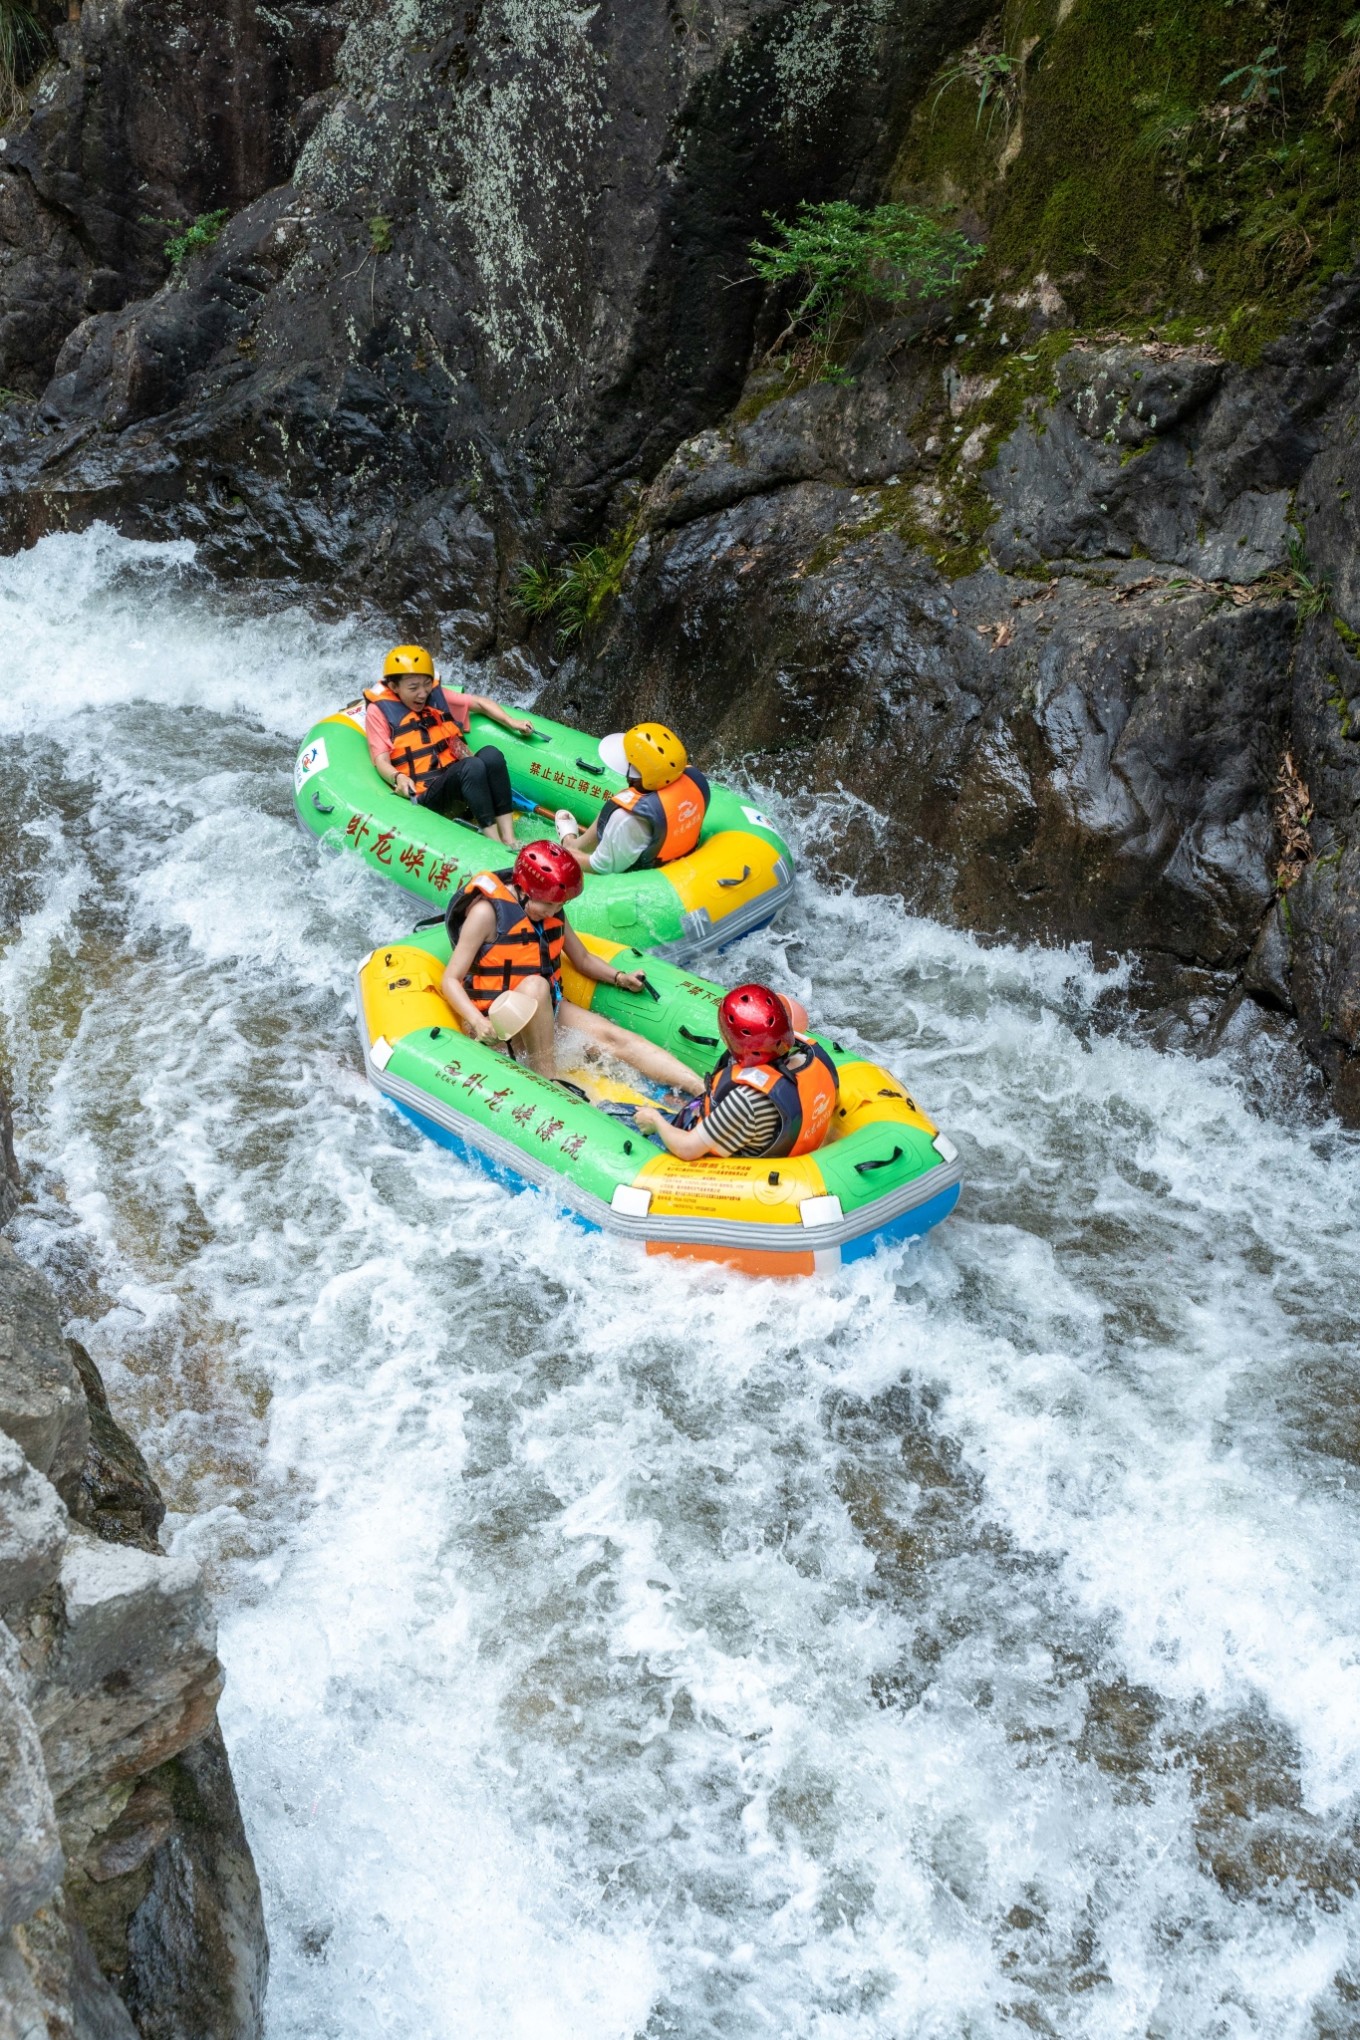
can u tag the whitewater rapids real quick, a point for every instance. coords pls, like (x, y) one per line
(965, 1646)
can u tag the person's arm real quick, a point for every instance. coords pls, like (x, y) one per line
(743, 1124)
(595, 967)
(478, 927)
(380, 751)
(688, 1144)
(484, 706)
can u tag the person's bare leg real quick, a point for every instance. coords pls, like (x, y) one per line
(493, 832)
(657, 1063)
(536, 1038)
(505, 824)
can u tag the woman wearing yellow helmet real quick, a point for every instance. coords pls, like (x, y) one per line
(417, 739)
(657, 817)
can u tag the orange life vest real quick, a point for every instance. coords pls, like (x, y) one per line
(520, 949)
(806, 1097)
(675, 814)
(424, 740)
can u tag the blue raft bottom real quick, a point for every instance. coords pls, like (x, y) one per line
(908, 1225)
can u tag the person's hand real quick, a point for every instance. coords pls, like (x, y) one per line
(524, 726)
(480, 1029)
(629, 980)
(404, 786)
(648, 1118)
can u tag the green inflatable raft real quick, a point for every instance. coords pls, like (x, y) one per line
(734, 882)
(885, 1173)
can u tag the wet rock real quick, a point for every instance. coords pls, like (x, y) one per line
(115, 1495)
(196, 1946)
(41, 1404)
(10, 1184)
(1266, 972)
(33, 1528)
(134, 1675)
(31, 1862)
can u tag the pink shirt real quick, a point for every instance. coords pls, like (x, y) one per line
(380, 736)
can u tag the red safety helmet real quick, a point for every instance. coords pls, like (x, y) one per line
(755, 1024)
(545, 871)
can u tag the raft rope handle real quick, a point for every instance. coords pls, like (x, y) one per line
(883, 1162)
(745, 874)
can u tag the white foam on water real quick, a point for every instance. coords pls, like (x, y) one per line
(962, 1645)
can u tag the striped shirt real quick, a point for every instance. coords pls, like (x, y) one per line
(745, 1122)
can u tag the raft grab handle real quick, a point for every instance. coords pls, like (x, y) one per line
(883, 1162)
(699, 1040)
(584, 765)
(745, 874)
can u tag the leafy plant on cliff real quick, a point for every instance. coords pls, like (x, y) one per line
(578, 592)
(24, 42)
(843, 257)
(199, 233)
(1259, 80)
(991, 76)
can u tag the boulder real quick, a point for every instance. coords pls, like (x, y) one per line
(42, 1406)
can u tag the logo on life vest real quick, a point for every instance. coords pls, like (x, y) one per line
(310, 761)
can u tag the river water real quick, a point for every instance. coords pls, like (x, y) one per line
(967, 1645)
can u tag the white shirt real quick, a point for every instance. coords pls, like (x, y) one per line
(624, 841)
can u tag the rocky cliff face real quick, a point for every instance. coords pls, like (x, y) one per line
(506, 276)
(128, 1900)
(1086, 734)
(1058, 585)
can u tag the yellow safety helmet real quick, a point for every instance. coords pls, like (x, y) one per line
(407, 659)
(655, 753)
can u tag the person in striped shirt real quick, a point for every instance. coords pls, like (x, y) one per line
(774, 1092)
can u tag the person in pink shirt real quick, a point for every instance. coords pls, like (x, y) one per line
(417, 739)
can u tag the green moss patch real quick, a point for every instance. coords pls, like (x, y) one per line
(1185, 163)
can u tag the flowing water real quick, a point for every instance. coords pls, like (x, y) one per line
(967, 1645)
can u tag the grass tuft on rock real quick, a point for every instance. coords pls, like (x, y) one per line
(25, 43)
(578, 592)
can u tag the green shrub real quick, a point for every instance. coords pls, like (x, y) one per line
(380, 235)
(579, 591)
(200, 233)
(845, 257)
